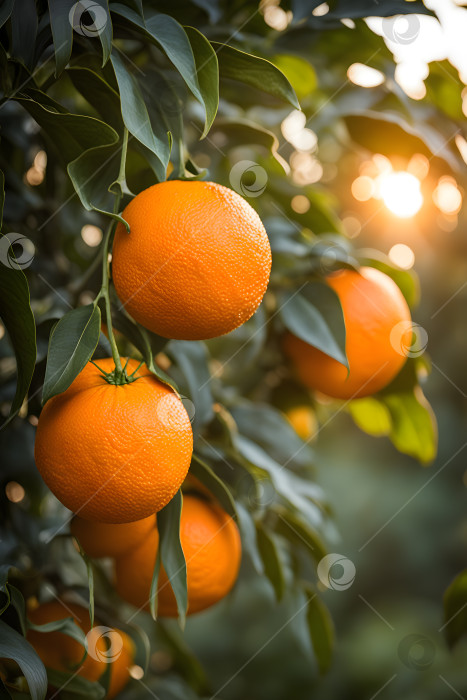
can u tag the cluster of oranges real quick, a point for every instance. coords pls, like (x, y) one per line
(195, 265)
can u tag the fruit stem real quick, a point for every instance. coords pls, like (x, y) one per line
(119, 374)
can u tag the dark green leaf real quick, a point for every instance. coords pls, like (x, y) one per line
(23, 31)
(254, 71)
(321, 630)
(242, 131)
(14, 646)
(208, 74)
(135, 114)
(16, 314)
(293, 527)
(93, 173)
(72, 343)
(194, 378)
(70, 133)
(66, 626)
(100, 95)
(172, 557)
(75, 686)
(315, 315)
(249, 538)
(153, 591)
(4, 571)
(62, 32)
(271, 560)
(455, 609)
(270, 428)
(5, 11)
(216, 486)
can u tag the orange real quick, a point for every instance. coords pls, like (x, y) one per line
(196, 262)
(121, 662)
(211, 544)
(114, 453)
(110, 540)
(60, 652)
(303, 421)
(376, 317)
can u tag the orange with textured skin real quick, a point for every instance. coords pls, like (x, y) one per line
(60, 652)
(211, 544)
(110, 540)
(373, 306)
(196, 262)
(112, 453)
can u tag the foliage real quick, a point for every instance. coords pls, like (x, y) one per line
(163, 81)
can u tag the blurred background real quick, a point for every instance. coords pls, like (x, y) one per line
(402, 525)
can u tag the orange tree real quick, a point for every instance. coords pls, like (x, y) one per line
(101, 102)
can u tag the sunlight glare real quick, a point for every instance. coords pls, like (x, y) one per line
(400, 191)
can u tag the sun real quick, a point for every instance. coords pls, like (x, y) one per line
(401, 193)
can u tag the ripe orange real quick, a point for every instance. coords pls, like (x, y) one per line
(373, 308)
(110, 540)
(211, 544)
(112, 453)
(303, 421)
(196, 262)
(60, 652)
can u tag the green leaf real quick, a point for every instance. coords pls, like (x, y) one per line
(371, 415)
(66, 626)
(216, 486)
(172, 557)
(14, 646)
(153, 591)
(24, 25)
(4, 571)
(75, 686)
(242, 131)
(455, 609)
(135, 114)
(413, 424)
(62, 32)
(71, 134)
(5, 11)
(321, 630)
(100, 95)
(281, 478)
(299, 72)
(72, 343)
(315, 316)
(249, 537)
(103, 26)
(254, 71)
(293, 527)
(207, 68)
(269, 553)
(269, 427)
(17, 316)
(194, 378)
(93, 173)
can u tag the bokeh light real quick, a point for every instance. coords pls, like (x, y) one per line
(364, 76)
(402, 256)
(363, 188)
(14, 492)
(447, 196)
(91, 235)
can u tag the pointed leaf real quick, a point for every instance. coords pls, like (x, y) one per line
(315, 316)
(72, 343)
(14, 646)
(271, 560)
(254, 71)
(208, 74)
(321, 630)
(172, 557)
(135, 114)
(17, 316)
(192, 361)
(62, 32)
(455, 609)
(216, 486)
